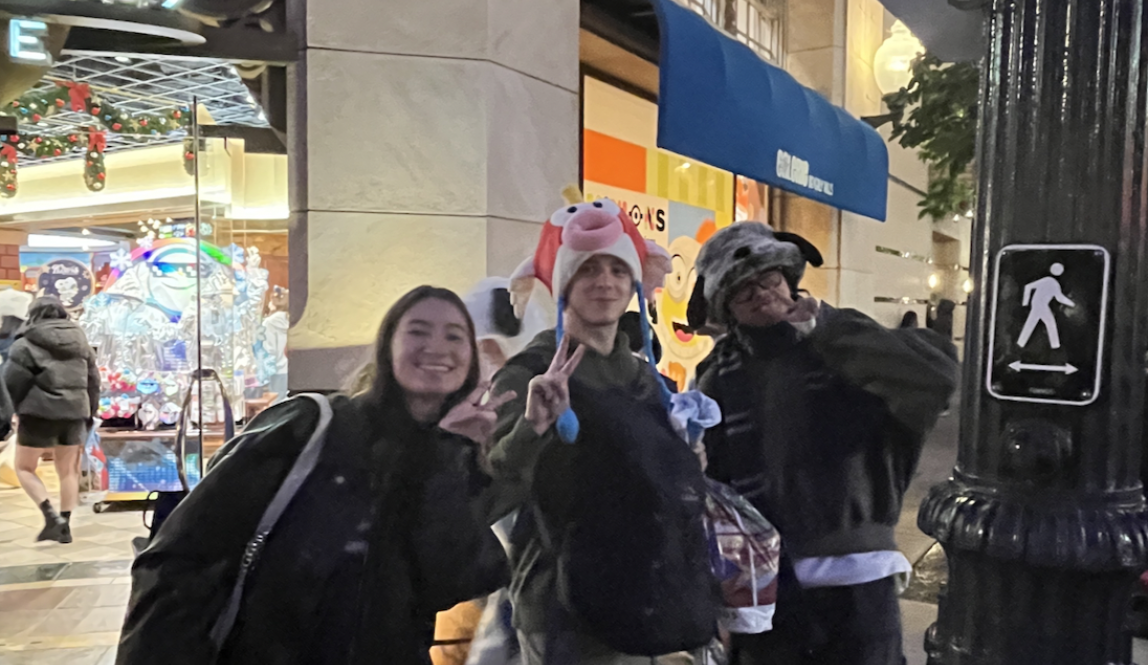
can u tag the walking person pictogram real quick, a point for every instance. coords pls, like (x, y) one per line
(1038, 296)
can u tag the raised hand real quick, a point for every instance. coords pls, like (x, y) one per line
(474, 418)
(806, 310)
(549, 394)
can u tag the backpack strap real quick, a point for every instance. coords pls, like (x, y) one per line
(300, 471)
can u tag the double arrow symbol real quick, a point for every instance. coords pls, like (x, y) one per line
(1066, 369)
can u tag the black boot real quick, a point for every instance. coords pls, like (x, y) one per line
(54, 525)
(66, 536)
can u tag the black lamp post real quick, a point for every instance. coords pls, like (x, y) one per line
(1044, 521)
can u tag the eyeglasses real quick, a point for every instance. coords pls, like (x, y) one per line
(766, 283)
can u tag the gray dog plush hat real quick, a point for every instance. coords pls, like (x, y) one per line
(737, 253)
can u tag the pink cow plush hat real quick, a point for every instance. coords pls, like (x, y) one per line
(572, 235)
(575, 233)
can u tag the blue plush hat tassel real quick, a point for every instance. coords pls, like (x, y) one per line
(648, 344)
(567, 425)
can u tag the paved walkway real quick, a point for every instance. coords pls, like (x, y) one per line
(62, 604)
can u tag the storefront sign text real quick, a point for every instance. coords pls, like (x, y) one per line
(27, 41)
(796, 170)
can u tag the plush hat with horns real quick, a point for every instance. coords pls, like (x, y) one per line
(579, 231)
(569, 238)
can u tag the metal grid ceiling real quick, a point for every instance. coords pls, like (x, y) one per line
(149, 84)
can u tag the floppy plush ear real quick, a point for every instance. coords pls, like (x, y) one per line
(502, 313)
(655, 268)
(812, 256)
(521, 287)
(698, 310)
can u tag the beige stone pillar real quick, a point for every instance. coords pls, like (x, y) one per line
(428, 142)
(815, 56)
(831, 44)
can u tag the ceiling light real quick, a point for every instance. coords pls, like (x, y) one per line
(123, 59)
(85, 232)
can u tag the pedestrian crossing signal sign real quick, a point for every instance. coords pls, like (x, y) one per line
(1049, 315)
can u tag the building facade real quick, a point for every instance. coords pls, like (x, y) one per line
(425, 142)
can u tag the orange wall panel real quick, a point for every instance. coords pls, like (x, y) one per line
(613, 162)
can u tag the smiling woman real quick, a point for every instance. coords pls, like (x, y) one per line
(379, 536)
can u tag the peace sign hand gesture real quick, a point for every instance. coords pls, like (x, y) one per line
(474, 419)
(549, 394)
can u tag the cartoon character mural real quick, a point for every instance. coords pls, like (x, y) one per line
(751, 199)
(682, 348)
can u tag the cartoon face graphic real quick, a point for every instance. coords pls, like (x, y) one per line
(68, 279)
(681, 344)
(166, 277)
(68, 288)
(750, 203)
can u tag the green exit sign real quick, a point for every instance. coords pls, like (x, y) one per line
(27, 41)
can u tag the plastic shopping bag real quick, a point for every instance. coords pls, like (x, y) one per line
(746, 556)
(93, 464)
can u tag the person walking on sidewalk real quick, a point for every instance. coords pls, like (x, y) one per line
(825, 414)
(383, 533)
(54, 383)
(578, 386)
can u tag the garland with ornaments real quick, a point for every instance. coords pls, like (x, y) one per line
(43, 103)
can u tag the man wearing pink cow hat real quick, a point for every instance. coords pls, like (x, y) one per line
(588, 457)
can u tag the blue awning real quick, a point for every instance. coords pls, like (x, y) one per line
(720, 103)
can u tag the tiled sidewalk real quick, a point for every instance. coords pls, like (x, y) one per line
(62, 604)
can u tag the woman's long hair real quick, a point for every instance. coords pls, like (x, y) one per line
(378, 378)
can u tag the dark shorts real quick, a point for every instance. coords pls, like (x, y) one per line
(40, 433)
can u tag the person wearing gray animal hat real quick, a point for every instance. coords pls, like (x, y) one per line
(825, 414)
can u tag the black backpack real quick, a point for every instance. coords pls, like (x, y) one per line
(622, 511)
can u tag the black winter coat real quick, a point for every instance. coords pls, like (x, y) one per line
(51, 372)
(823, 434)
(380, 538)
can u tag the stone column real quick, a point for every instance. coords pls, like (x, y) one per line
(428, 141)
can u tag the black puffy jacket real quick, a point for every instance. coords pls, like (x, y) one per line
(381, 537)
(51, 372)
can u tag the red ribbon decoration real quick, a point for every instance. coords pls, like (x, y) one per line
(97, 141)
(8, 153)
(79, 94)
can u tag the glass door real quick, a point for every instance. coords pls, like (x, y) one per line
(239, 324)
